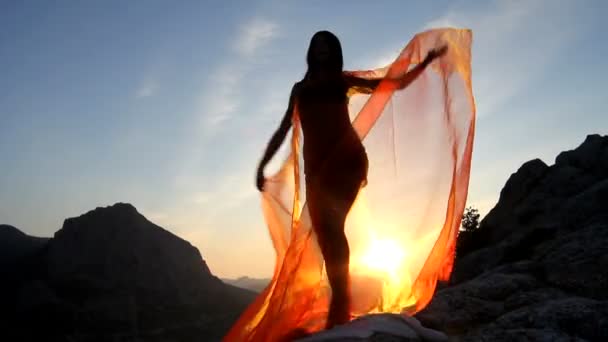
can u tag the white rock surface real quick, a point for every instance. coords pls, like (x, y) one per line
(364, 328)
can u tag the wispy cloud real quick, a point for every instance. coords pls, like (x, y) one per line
(512, 45)
(223, 92)
(223, 96)
(515, 43)
(254, 35)
(147, 88)
(233, 189)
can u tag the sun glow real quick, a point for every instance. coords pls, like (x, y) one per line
(382, 259)
(384, 256)
(377, 250)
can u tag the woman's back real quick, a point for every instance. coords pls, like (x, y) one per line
(326, 125)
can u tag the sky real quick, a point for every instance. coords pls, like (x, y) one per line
(169, 105)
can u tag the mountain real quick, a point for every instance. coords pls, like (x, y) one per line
(111, 274)
(254, 284)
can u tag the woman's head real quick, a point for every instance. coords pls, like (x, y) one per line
(324, 53)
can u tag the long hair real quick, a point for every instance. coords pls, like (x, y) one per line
(333, 64)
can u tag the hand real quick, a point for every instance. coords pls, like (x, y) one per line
(260, 180)
(435, 53)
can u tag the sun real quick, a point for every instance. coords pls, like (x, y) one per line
(384, 256)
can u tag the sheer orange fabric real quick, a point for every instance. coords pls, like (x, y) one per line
(403, 226)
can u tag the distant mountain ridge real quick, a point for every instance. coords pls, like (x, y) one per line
(254, 284)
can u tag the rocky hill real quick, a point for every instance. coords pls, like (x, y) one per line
(537, 268)
(111, 274)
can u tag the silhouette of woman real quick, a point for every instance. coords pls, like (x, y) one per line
(335, 162)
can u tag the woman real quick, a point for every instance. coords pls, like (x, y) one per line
(335, 162)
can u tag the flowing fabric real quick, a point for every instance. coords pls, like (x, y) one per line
(403, 226)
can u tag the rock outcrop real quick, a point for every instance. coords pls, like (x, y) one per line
(110, 274)
(536, 267)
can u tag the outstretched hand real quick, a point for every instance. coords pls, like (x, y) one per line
(436, 53)
(412, 74)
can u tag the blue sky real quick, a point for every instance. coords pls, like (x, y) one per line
(168, 105)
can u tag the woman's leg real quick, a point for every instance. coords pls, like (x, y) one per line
(328, 208)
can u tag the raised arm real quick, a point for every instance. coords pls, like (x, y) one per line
(277, 139)
(367, 86)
